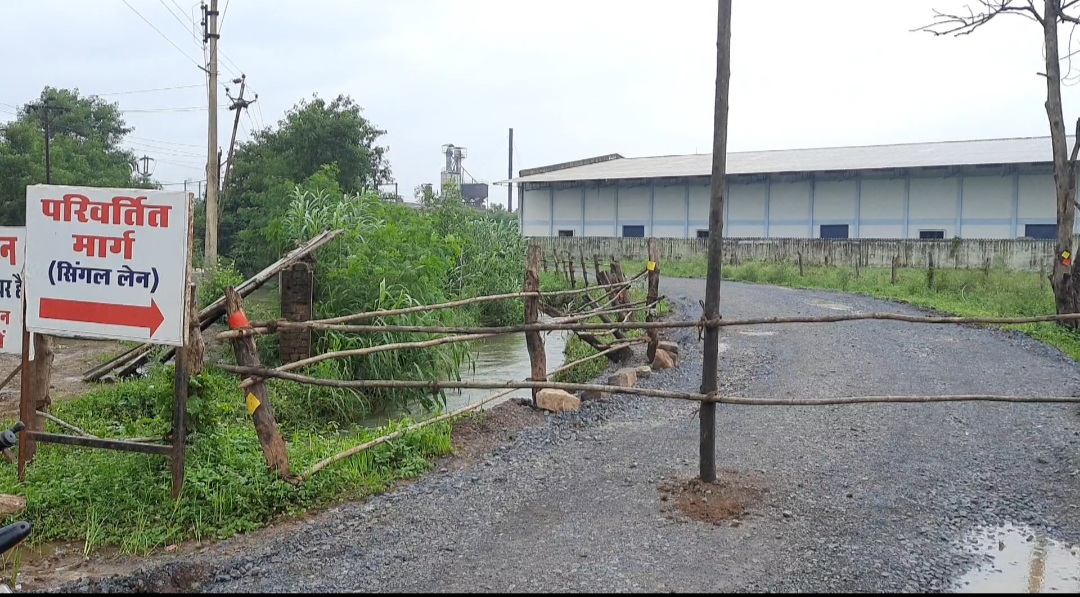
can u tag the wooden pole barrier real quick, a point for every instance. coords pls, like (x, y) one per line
(570, 268)
(895, 265)
(653, 296)
(930, 272)
(256, 399)
(709, 374)
(534, 341)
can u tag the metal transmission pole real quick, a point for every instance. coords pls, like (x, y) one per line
(210, 21)
(707, 445)
(510, 175)
(238, 104)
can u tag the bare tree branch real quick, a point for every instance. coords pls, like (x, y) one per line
(960, 24)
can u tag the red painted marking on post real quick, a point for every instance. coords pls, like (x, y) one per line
(103, 313)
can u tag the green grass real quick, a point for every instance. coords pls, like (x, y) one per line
(98, 497)
(966, 293)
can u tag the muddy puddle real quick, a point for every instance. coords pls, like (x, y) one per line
(1017, 559)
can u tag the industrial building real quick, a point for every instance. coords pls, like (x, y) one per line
(995, 188)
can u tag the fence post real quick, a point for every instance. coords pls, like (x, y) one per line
(544, 258)
(800, 264)
(895, 264)
(986, 268)
(257, 400)
(653, 266)
(584, 269)
(570, 268)
(534, 341)
(930, 272)
(617, 273)
(596, 267)
(857, 260)
(555, 260)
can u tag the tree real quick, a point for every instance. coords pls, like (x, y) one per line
(312, 135)
(85, 149)
(1065, 278)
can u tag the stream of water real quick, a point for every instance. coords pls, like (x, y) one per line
(498, 358)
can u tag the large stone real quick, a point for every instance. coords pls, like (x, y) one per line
(643, 372)
(557, 401)
(662, 360)
(623, 377)
(668, 346)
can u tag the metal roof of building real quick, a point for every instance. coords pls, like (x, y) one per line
(1022, 150)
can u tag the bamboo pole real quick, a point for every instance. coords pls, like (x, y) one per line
(11, 376)
(64, 424)
(895, 400)
(605, 352)
(392, 436)
(456, 385)
(359, 352)
(435, 307)
(451, 415)
(716, 323)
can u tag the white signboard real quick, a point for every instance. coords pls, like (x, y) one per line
(106, 263)
(12, 250)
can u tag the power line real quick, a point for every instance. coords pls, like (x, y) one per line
(163, 142)
(181, 21)
(149, 90)
(221, 23)
(165, 37)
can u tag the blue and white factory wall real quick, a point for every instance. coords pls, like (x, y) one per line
(998, 202)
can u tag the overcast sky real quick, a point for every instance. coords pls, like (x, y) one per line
(573, 78)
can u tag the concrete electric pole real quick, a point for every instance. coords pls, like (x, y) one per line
(510, 175)
(238, 104)
(213, 165)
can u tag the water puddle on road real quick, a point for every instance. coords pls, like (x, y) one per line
(1024, 561)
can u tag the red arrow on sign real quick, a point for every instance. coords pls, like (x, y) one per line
(104, 313)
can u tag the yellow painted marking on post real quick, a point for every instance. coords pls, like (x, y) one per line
(1065, 255)
(650, 265)
(252, 403)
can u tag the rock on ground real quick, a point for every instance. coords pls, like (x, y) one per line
(557, 401)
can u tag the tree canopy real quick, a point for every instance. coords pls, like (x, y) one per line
(85, 149)
(313, 135)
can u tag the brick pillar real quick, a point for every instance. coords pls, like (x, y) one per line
(297, 283)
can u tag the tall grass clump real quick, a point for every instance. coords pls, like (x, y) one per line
(392, 256)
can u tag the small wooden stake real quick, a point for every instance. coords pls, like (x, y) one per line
(570, 268)
(800, 264)
(596, 267)
(895, 265)
(584, 269)
(256, 398)
(930, 273)
(555, 260)
(534, 341)
(653, 268)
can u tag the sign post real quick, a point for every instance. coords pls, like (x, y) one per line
(110, 264)
(12, 252)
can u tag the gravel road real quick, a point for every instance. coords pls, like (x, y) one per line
(861, 498)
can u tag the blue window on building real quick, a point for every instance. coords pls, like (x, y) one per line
(834, 231)
(931, 234)
(1047, 231)
(703, 234)
(566, 233)
(633, 231)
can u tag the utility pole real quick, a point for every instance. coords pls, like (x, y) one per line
(510, 174)
(709, 382)
(213, 164)
(47, 109)
(238, 104)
